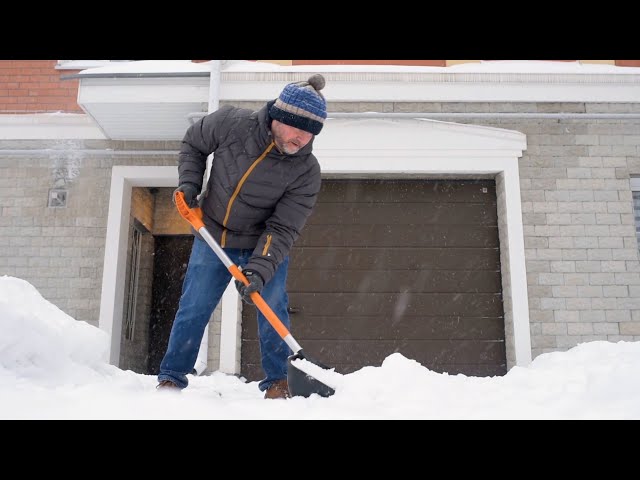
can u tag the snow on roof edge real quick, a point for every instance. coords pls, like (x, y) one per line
(484, 66)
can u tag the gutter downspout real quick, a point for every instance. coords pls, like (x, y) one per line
(214, 100)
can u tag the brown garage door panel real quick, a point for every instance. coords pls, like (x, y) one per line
(368, 352)
(413, 281)
(371, 328)
(388, 305)
(427, 191)
(376, 258)
(404, 213)
(384, 266)
(399, 236)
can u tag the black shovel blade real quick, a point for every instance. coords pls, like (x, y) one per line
(302, 384)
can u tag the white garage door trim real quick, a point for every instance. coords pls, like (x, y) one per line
(360, 149)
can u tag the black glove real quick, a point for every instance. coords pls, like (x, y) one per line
(190, 191)
(255, 285)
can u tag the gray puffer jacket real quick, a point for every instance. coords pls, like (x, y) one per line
(256, 197)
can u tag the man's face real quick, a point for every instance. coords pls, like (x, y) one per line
(289, 139)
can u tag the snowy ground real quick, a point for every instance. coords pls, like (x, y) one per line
(54, 367)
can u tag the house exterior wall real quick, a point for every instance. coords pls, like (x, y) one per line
(583, 270)
(582, 260)
(61, 250)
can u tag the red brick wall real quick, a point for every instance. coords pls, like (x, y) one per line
(30, 86)
(628, 63)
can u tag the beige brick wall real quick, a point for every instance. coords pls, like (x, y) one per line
(60, 250)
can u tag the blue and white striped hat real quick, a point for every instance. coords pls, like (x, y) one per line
(301, 105)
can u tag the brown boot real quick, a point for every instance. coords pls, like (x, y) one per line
(167, 385)
(278, 389)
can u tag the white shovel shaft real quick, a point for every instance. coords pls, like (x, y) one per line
(224, 258)
(216, 247)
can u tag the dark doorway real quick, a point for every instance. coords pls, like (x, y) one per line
(171, 257)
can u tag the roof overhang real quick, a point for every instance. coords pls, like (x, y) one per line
(143, 108)
(155, 105)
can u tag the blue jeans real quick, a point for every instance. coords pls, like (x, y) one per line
(204, 283)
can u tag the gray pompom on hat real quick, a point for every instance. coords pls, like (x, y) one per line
(301, 105)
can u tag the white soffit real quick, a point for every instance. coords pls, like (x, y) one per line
(143, 108)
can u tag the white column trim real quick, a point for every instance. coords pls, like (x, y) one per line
(517, 266)
(230, 331)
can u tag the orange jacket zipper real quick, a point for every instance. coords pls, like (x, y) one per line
(267, 244)
(237, 191)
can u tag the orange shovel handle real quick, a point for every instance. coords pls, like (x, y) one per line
(191, 215)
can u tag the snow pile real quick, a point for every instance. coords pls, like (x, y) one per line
(52, 366)
(40, 342)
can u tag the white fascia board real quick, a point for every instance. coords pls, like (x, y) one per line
(143, 90)
(441, 87)
(374, 87)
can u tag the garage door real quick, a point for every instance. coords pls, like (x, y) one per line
(396, 266)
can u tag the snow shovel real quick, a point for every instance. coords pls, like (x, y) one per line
(300, 383)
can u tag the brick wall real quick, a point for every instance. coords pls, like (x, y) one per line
(60, 250)
(30, 86)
